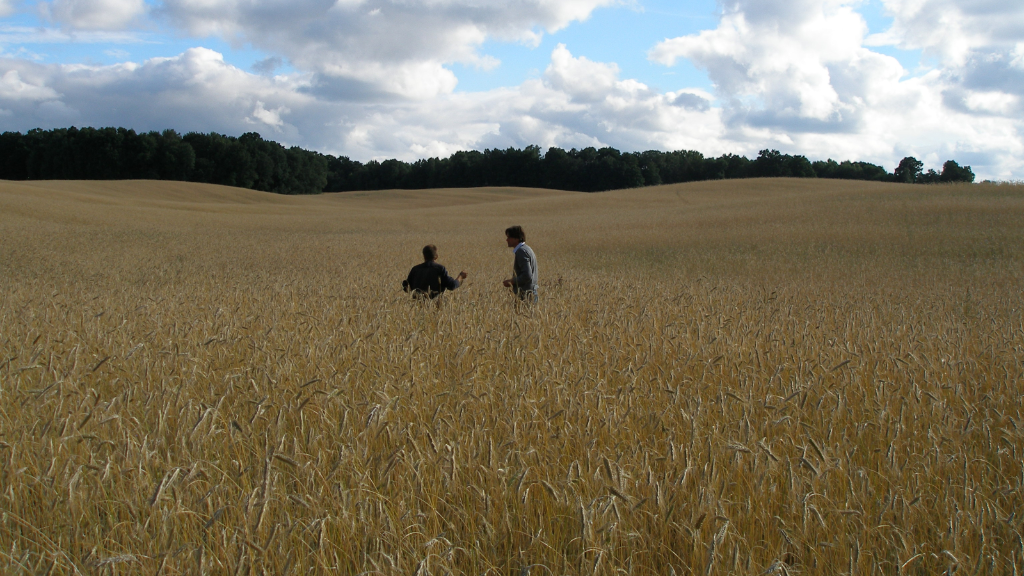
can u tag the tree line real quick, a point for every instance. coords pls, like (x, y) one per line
(249, 161)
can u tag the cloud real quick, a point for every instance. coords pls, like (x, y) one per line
(14, 35)
(387, 46)
(271, 118)
(197, 90)
(268, 65)
(14, 89)
(194, 91)
(584, 80)
(692, 99)
(954, 29)
(57, 112)
(117, 53)
(801, 76)
(978, 46)
(7, 7)
(93, 14)
(800, 63)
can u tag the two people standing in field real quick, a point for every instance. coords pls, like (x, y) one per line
(431, 279)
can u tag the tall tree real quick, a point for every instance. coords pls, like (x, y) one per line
(953, 172)
(908, 171)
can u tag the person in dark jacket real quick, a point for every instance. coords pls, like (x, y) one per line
(524, 268)
(430, 279)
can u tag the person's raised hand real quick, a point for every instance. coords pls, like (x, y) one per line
(463, 275)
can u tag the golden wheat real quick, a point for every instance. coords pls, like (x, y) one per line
(759, 377)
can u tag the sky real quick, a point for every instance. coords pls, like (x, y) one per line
(863, 80)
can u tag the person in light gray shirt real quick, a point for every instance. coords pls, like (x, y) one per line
(524, 268)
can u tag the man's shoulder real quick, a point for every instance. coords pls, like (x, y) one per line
(429, 268)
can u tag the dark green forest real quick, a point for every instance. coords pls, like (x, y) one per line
(249, 161)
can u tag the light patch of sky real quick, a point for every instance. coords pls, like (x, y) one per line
(619, 34)
(24, 35)
(879, 21)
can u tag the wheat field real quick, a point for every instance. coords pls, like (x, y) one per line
(741, 377)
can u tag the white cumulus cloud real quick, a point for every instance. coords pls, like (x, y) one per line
(194, 91)
(802, 76)
(271, 118)
(374, 47)
(801, 62)
(14, 89)
(953, 29)
(197, 90)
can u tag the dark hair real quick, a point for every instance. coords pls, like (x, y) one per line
(429, 253)
(516, 232)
